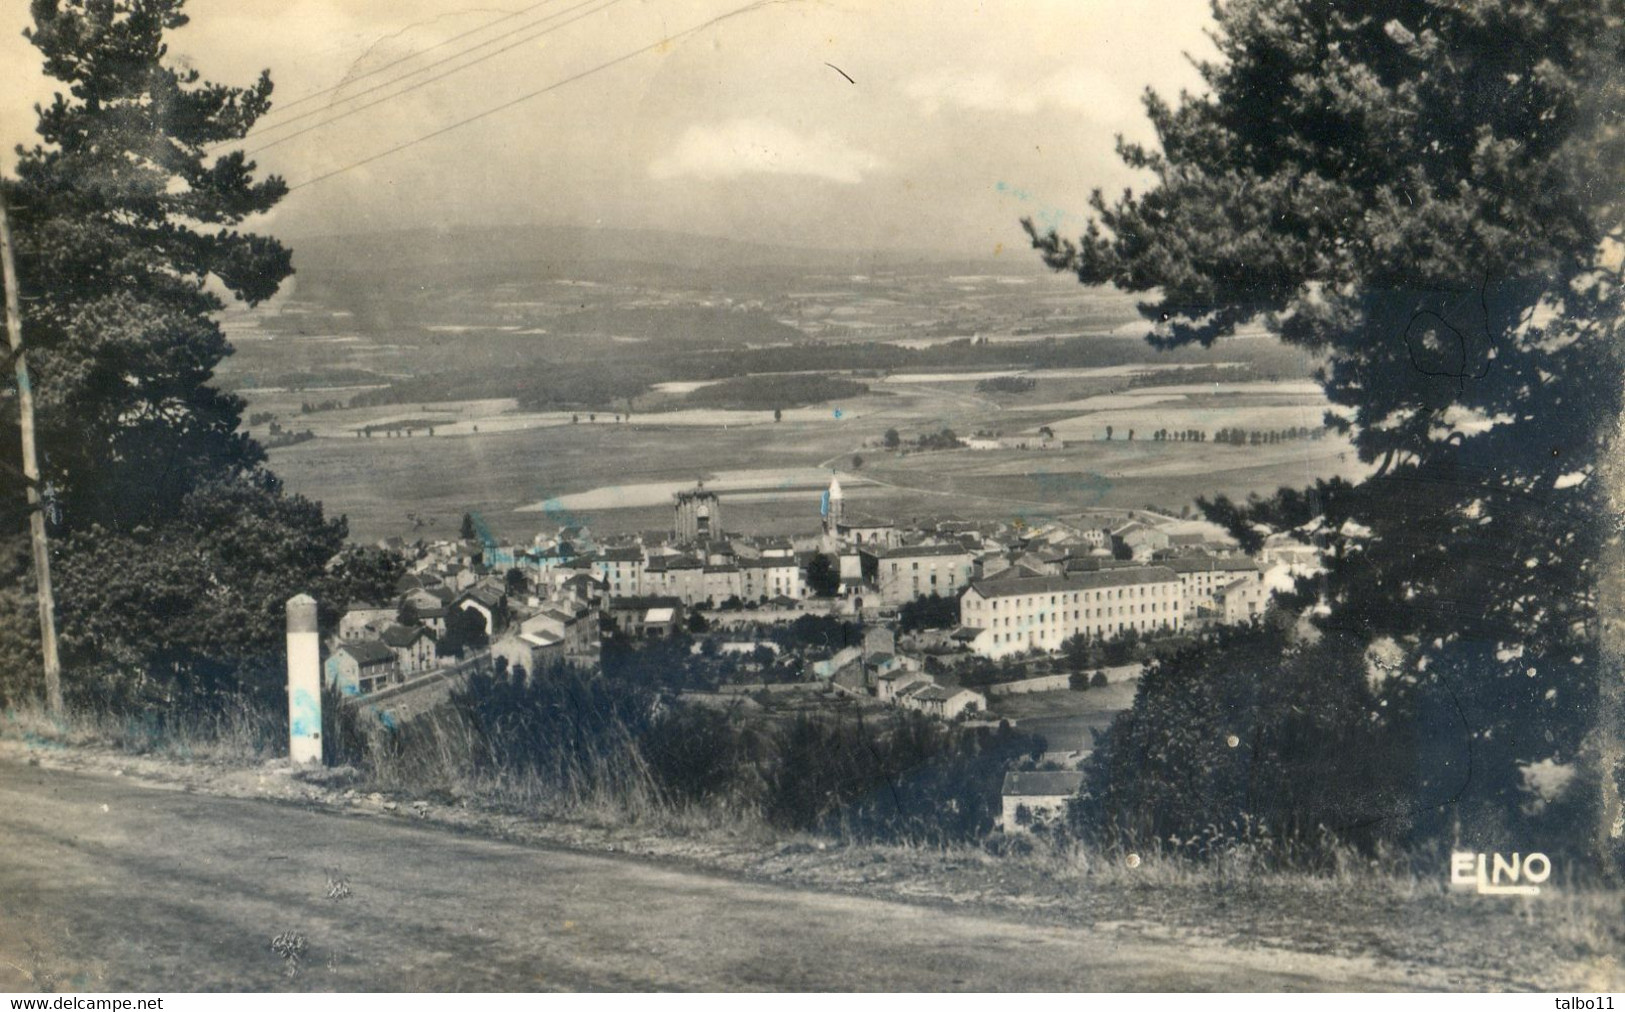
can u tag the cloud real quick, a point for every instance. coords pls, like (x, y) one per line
(992, 91)
(761, 147)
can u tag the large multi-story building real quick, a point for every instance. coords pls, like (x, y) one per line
(1204, 576)
(906, 573)
(621, 570)
(770, 577)
(1000, 617)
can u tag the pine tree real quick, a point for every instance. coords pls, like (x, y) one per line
(122, 215)
(1428, 195)
(125, 217)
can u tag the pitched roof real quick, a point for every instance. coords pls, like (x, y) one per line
(1073, 581)
(367, 652)
(484, 595)
(402, 635)
(921, 551)
(1210, 564)
(1045, 783)
(644, 602)
(768, 562)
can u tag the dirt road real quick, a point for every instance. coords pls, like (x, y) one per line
(109, 885)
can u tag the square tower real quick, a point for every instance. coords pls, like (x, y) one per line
(698, 515)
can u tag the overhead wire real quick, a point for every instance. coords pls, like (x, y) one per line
(283, 107)
(353, 110)
(607, 64)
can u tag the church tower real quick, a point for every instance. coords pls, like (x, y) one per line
(834, 506)
(698, 515)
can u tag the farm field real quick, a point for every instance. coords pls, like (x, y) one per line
(1067, 719)
(522, 471)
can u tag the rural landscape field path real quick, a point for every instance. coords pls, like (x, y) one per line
(111, 885)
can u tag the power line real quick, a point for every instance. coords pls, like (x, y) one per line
(624, 57)
(273, 127)
(523, 40)
(301, 100)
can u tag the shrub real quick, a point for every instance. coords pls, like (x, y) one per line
(1254, 733)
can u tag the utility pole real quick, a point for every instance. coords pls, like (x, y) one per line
(36, 511)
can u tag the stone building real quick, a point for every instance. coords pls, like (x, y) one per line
(698, 515)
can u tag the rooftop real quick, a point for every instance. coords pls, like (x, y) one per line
(1020, 586)
(403, 636)
(368, 652)
(921, 551)
(1210, 564)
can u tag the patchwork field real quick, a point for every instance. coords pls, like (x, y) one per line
(526, 470)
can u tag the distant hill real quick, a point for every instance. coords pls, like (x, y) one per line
(563, 251)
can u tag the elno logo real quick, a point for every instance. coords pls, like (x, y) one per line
(1499, 875)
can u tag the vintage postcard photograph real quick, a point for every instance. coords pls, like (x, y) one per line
(812, 496)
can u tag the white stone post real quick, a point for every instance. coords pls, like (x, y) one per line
(304, 681)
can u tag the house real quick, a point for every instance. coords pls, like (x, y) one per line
(907, 573)
(582, 587)
(1183, 543)
(1137, 541)
(620, 570)
(433, 619)
(574, 628)
(526, 652)
(422, 598)
(999, 617)
(362, 666)
(679, 576)
(1037, 797)
(770, 576)
(363, 621)
(647, 615)
(942, 702)
(721, 582)
(1285, 549)
(662, 622)
(880, 665)
(1241, 600)
(414, 648)
(488, 602)
(892, 684)
(867, 531)
(554, 633)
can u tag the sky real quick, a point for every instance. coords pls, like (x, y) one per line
(929, 125)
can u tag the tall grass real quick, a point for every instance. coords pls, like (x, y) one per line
(233, 730)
